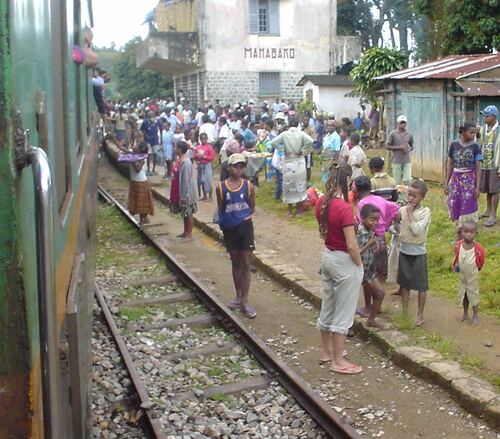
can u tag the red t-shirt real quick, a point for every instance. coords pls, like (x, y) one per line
(340, 215)
(175, 195)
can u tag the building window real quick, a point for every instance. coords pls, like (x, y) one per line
(269, 84)
(263, 17)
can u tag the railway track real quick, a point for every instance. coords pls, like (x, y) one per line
(196, 349)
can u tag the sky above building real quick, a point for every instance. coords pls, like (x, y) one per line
(118, 21)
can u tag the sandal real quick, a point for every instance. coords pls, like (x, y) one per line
(248, 312)
(234, 304)
(352, 369)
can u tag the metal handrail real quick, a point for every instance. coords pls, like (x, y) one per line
(49, 352)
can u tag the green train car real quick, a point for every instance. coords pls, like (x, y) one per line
(48, 152)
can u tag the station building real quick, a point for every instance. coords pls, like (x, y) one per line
(237, 50)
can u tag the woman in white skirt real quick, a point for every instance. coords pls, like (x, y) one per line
(296, 144)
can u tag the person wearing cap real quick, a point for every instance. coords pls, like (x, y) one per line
(280, 122)
(231, 146)
(400, 143)
(236, 204)
(489, 141)
(382, 183)
(296, 145)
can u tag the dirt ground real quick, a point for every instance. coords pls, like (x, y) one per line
(380, 402)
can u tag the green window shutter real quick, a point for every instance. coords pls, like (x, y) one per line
(274, 17)
(253, 16)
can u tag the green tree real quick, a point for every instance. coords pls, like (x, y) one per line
(376, 62)
(457, 27)
(133, 83)
(470, 26)
(354, 17)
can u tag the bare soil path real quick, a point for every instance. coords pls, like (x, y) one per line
(302, 247)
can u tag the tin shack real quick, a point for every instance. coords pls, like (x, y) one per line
(437, 97)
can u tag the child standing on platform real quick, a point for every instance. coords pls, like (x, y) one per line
(469, 260)
(140, 198)
(412, 270)
(204, 155)
(370, 216)
(236, 204)
(182, 190)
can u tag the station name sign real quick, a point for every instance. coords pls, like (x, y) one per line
(269, 53)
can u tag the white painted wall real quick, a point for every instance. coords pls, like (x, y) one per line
(333, 99)
(305, 26)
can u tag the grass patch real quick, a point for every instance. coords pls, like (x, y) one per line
(161, 312)
(471, 362)
(134, 313)
(449, 349)
(220, 397)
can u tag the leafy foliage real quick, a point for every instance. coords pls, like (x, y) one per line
(376, 62)
(426, 29)
(306, 106)
(470, 26)
(457, 27)
(354, 17)
(133, 83)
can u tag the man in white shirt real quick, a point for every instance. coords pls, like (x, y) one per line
(187, 114)
(208, 128)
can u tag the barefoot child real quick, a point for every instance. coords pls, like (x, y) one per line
(388, 213)
(182, 190)
(469, 259)
(204, 155)
(370, 216)
(412, 270)
(140, 198)
(236, 203)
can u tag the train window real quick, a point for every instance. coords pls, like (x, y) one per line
(77, 39)
(60, 53)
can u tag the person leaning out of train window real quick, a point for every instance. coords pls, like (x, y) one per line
(85, 55)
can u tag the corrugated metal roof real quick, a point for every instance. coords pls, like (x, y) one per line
(475, 88)
(327, 80)
(452, 67)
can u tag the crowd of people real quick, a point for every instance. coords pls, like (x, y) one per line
(355, 214)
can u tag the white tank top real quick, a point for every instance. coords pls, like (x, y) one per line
(138, 176)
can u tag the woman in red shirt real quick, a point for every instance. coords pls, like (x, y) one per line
(341, 270)
(204, 155)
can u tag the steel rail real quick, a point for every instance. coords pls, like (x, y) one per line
(329, 420)
(146, 403)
